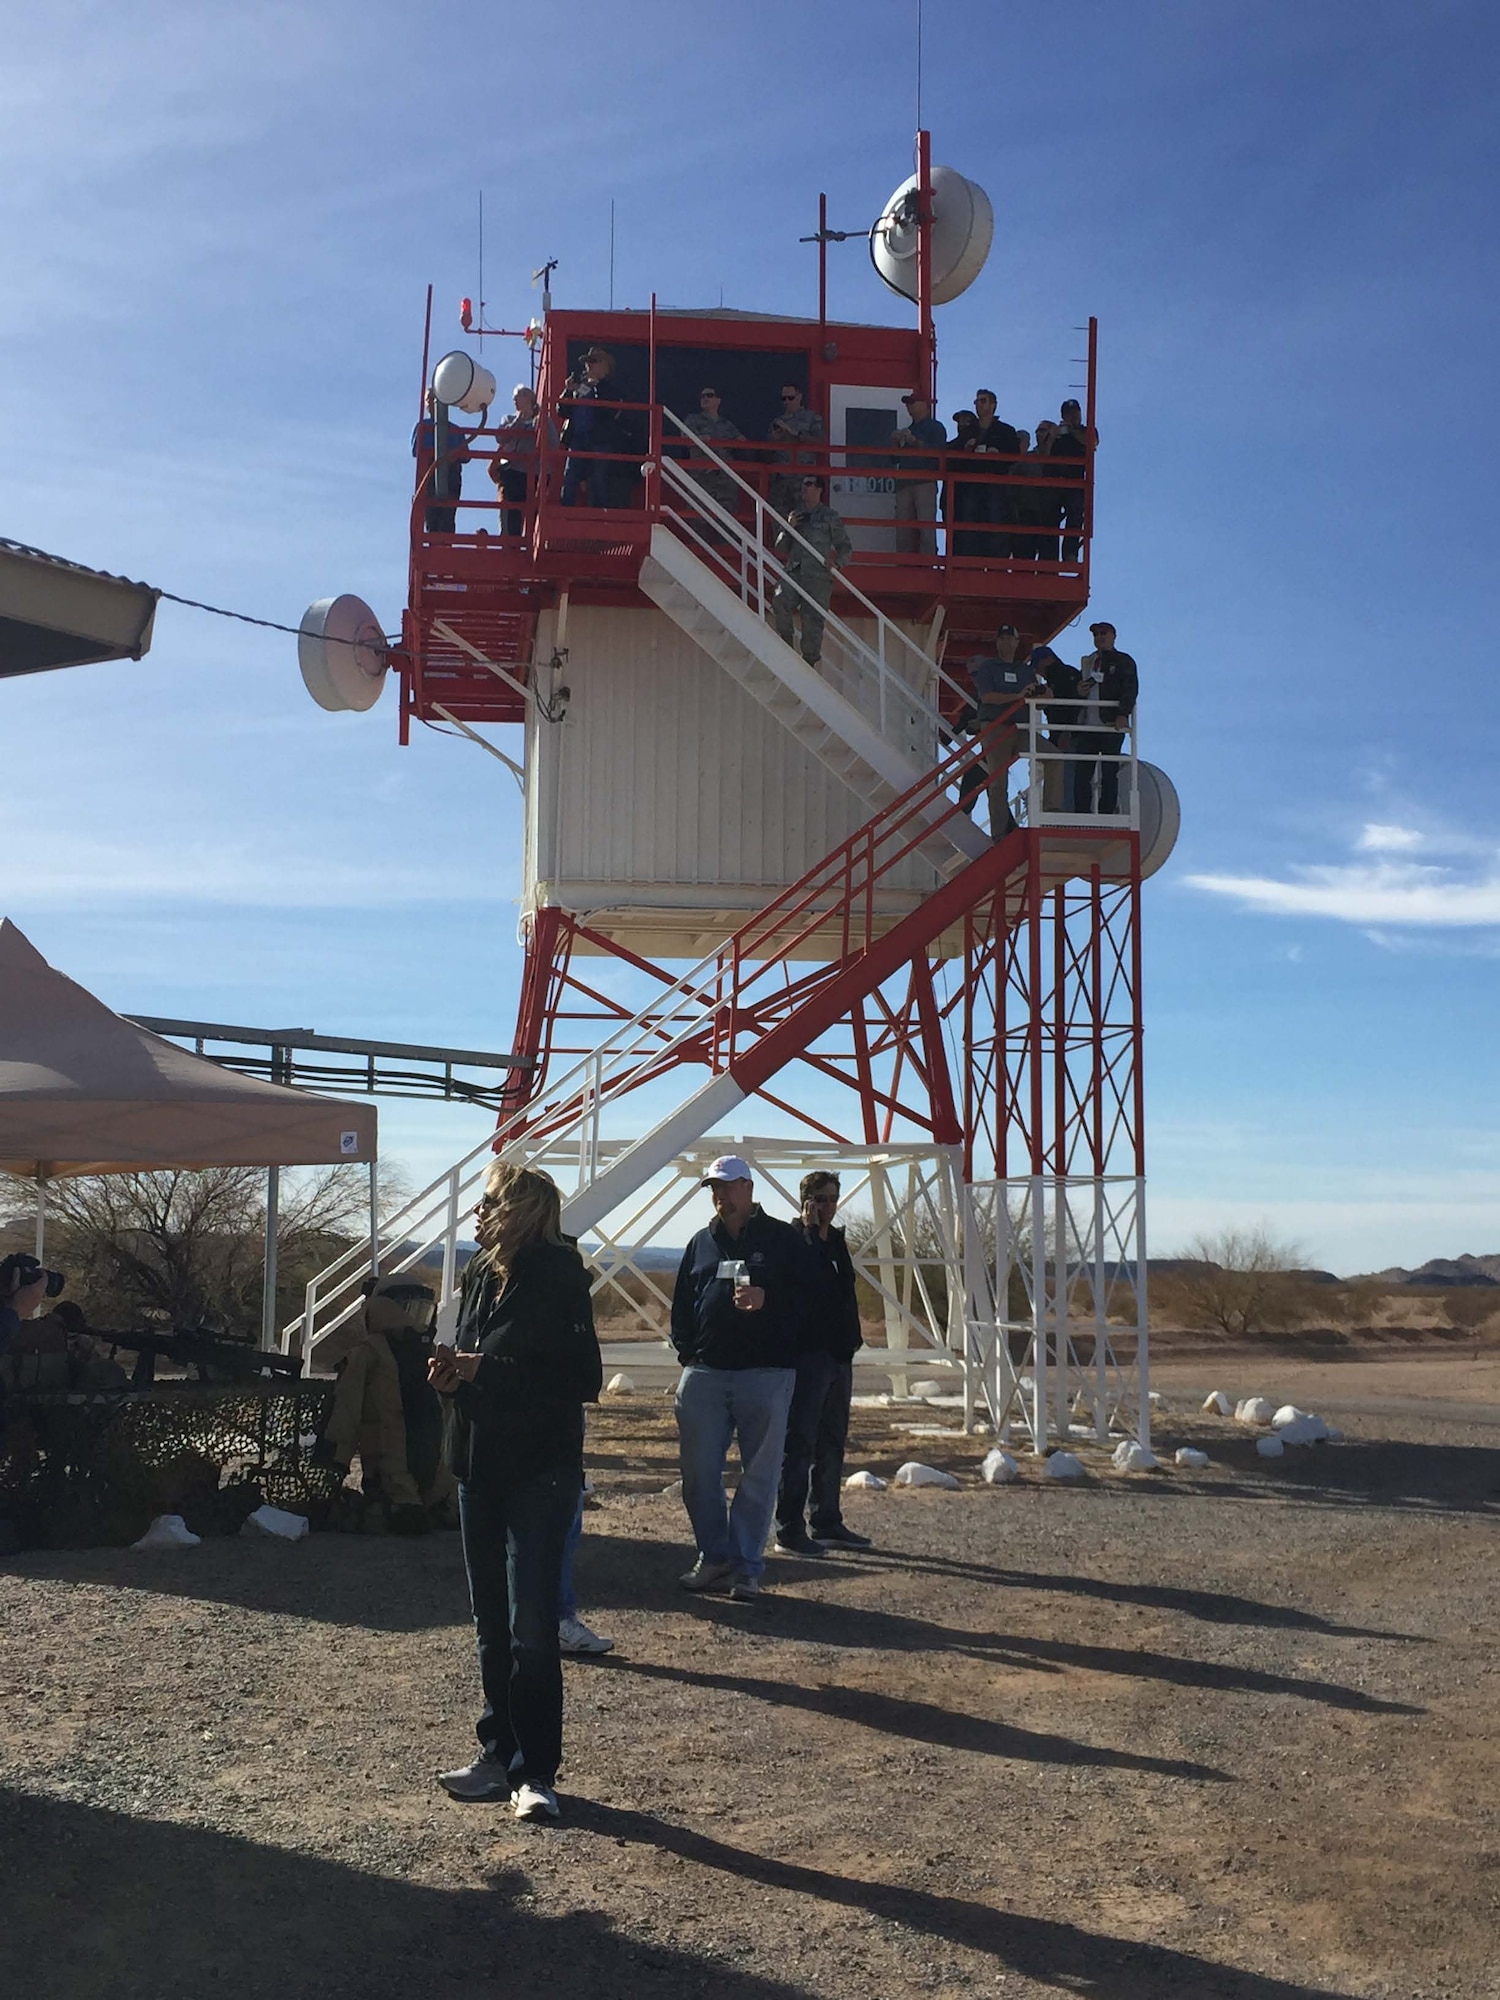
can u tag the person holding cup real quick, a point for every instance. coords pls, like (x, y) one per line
(737, 1311)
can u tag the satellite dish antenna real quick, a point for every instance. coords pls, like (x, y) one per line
(342, 653)
(459, 379)
(1161, 817)
(963, 227)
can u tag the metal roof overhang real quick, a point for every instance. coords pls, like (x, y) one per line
(55, 613)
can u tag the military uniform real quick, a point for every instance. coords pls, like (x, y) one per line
(715, 431)
(825, 530)
(786, 489)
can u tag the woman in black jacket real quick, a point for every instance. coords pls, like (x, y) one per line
(525, 1362)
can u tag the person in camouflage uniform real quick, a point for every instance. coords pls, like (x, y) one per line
(795, 421)
(814, 571)
(718, 431)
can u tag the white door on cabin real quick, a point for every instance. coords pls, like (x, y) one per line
(862, 416)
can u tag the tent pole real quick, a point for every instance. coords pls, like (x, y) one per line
(268, 1289)
(41, 1217)
(374, 1217)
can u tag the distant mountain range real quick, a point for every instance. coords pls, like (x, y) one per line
(1465, 1270)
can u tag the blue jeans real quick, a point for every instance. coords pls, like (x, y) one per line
(713, 1406)
(591, 472)
(513, 1539)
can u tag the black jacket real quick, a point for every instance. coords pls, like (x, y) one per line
(1120, 686)
(831, 1322)
(523, 1412)
(708, 1329)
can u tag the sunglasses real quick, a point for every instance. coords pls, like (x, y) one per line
(791, 395)
(709, 396)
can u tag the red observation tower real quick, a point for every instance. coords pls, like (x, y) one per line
(826, 914)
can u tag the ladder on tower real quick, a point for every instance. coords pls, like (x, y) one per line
(739, 1014)
(867, 711)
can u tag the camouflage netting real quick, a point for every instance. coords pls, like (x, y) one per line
(79, 1470)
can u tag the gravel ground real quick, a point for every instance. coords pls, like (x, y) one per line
(1228, 1733)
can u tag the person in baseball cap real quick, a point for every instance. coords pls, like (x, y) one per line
(916, 469)
(737, 1311)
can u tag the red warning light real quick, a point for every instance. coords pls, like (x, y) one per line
(466, 314)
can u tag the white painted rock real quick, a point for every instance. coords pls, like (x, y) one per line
(926, 1388)
(168, 1531)
(1294, 1426)
(1254, 1410)
(915, 1474)
(1157, 1400)
(998, 1468)
(277, 1522)
(1063, 1465)
(871, 1481)
(1026, 1385)
(619, 1385)
(980, 1428)
(1133, 1457)
(1270, 1447)
(1186, 1455)
(672, 1492)
(1217, 1404)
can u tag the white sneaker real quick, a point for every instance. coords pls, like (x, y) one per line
(536, 1802)
(573, 1636)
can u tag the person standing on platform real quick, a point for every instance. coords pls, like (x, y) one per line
(1107, 690)
(995, 446)
(514, 462)
(813, 567)
(525, 1362)
(1061, 711)
(795, 421)
(717, 430)
(916, 495)
(589, 430)
(812, 1467)
(1072, 441)
(737, 1312)
(441, 449)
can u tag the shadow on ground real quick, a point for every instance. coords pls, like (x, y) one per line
(100, 1906)
(925, 1722)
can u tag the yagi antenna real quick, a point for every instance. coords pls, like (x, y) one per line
(543, 277)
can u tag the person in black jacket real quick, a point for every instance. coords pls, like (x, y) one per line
(525, 1362)
(736, 1325)
(818, 1424)
(1108, 685)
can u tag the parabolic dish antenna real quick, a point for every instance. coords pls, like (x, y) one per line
(342, 653)
(1161, 817)
(458, 379)
(963, 227)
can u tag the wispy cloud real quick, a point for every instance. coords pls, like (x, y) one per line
(1392, 889)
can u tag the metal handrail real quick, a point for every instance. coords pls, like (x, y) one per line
(684, 482)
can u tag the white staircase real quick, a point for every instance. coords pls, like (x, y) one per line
(867, 712)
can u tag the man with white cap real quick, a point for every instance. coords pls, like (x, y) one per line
(736, 1320)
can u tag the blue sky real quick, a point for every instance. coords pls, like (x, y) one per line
(219, 227)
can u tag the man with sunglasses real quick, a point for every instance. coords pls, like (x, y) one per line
(795, 421)
(710, 424)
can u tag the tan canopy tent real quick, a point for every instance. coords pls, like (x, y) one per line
(84, 1092)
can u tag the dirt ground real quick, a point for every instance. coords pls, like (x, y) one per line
(1225, 1733)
